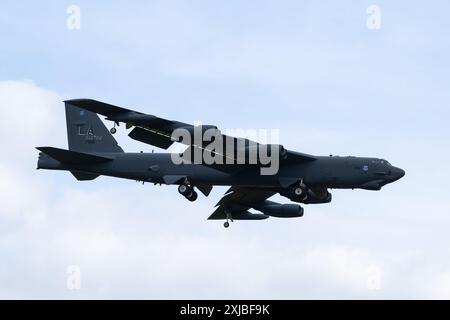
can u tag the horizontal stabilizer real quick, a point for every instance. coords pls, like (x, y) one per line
(73, 157)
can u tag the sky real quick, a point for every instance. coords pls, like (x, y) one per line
(313, 70)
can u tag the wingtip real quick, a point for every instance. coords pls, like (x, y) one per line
(77, 100)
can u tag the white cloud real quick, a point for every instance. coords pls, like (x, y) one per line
(441, 284)
(30, 116)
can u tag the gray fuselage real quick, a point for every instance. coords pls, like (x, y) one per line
(331, 172)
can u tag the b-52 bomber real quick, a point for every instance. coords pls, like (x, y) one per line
(254, 171)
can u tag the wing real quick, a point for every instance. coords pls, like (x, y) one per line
(237, 201)
(159, 132)
(148, 128)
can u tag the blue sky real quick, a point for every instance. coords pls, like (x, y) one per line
(313, 70)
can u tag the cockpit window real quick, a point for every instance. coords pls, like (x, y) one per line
(381, 161)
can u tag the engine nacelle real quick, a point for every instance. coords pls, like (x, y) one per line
(278, 210)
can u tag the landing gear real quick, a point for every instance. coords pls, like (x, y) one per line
(229, 217)
(298, 191)
(188, 192)
(192, 196)
(113, 130)
(184, 189)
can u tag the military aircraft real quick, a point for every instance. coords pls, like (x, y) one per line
(300, 177)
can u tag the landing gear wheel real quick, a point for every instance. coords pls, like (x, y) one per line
(183, 189)
(226, 224)
(298, 191)
(192, 196)
(113, 130)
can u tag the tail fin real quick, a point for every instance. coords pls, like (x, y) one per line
(87, 133)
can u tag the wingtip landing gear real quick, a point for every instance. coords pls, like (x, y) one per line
(228, 217)
(113, 130)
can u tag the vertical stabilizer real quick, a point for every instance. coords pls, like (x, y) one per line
(87, 133)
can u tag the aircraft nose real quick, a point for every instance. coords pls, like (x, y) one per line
(397, 173)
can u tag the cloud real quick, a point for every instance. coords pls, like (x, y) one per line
(31, 115)
(312, 70)
(134, 241)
